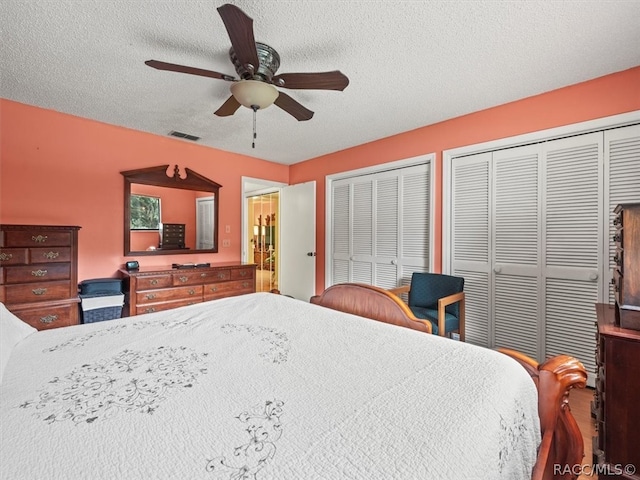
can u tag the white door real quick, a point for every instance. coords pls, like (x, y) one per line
(297, 246)
(204, 223)
(380, 227)
(527, 236)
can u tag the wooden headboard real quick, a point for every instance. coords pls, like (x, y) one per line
(562, 442)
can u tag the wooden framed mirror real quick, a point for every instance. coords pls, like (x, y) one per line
(166, 214)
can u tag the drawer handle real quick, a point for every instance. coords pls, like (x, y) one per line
(214, 289)
(6, 256)
(203, 275)
(150, 296)
(38, 273)
(150, 310)
(220, 275)
(49, 319)
(616, 259)
(51, 255)
(617, 237)
(39, 238)
(243, 273)
(617, 220)
(192, 292)
(184, 279)
(245, 284)
(39, 291)
(154, 281)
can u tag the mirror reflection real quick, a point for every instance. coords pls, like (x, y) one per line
(183, 219)
(169, 214)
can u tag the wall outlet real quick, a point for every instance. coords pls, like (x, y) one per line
(226, 242)
(227, 229)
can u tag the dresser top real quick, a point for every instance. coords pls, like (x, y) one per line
(607, 323)
(170, 269)
(39, 227)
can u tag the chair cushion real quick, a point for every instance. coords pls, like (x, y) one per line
(451, 323)
(427, 288)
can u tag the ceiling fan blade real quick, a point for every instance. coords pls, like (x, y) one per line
(335, 80)
(172, 67)
(240, 29)
(228, 108)
(292, 107)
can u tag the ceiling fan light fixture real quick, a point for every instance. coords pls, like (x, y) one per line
(254, 93)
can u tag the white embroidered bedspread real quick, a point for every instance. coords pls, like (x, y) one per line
(262, 387)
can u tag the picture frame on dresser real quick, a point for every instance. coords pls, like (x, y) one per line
(39, 274)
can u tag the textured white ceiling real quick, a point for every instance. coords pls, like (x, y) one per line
(410, 63)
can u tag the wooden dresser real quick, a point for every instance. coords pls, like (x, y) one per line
(39, 273)
(153, 289)
(626, 274)
(617, 397)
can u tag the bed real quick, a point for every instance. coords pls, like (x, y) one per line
(263, 386)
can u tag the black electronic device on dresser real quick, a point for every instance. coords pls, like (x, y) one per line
(616, 405)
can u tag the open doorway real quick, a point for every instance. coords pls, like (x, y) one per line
(264, 232)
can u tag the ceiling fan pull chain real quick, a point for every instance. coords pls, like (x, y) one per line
(255, 109)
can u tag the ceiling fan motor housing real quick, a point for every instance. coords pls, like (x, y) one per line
(269, 64)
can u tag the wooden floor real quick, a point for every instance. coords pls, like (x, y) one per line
(580, 402)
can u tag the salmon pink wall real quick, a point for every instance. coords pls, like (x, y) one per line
(59, 169)
(65, 170)
(605, 96)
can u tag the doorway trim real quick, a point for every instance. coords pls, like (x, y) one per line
(250, 188)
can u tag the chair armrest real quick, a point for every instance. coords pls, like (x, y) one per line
(442, 304)
(449, 299)
(400, 290)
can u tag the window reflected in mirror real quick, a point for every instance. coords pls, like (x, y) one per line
(145, 212)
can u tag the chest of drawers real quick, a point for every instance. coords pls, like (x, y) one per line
(616, 397)
(154, 289)
(39, 273)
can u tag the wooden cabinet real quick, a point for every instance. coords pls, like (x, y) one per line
(617, 396)
(626, 275)
(39, 273)
(172, 235)
(154, 289)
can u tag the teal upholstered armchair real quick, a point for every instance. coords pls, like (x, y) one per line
(437, 298)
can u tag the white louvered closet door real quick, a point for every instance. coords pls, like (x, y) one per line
(341, 232)
(471, 242)
(572, 242)
(622, 185)
(380, 226)
(516, 251)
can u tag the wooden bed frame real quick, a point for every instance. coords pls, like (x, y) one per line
(561, 444)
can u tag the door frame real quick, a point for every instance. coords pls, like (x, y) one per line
(396, 165)
(589, 126)
(199, 227)
(250, 188)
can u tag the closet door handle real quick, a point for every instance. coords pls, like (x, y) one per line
(394, 262)
(497, 269)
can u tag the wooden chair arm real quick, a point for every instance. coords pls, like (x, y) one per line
(449, 299)
(400, 290)
(442, 304)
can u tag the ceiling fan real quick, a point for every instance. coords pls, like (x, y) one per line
(256, 64)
